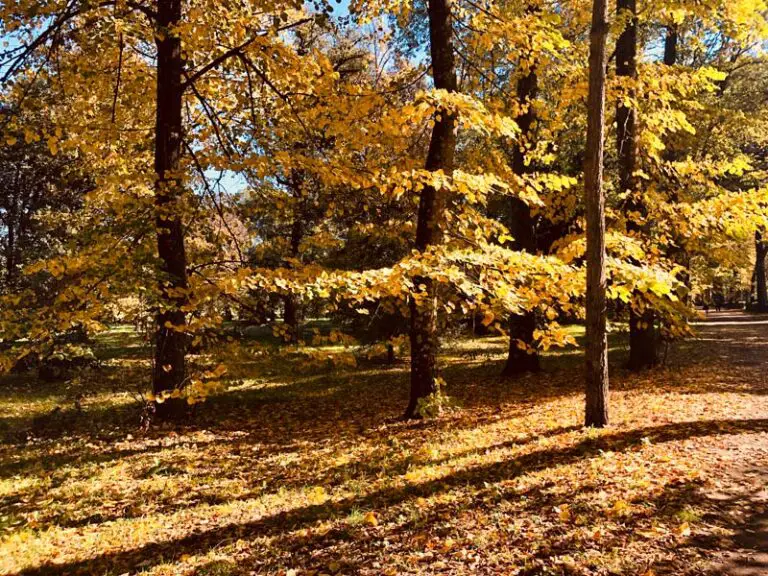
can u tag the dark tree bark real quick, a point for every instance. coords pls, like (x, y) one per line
(442, 146)
(761, 250)
(596, 413)
(521, 226)
(169, 370)
(678, 253)
(642, 332)
(670, 46)
(292, 317)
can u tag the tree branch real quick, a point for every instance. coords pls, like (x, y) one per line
(235, 51)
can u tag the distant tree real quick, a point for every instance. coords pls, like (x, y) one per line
(761, 291)
(40, 187)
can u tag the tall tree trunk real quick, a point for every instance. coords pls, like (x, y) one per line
(670, 45)
(170, 340)
(292, 308)
(521, 226)
(291, 317)
(678, 253)
(642, 332)
(761, 250)
(442, 146)
(596, 413)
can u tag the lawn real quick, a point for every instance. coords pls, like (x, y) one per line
(297, 470)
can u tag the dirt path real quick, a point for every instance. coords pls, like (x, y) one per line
(749, 557)
(740, 502)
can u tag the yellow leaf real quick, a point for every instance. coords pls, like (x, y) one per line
(684, 529)
(620, 508)
(55, 269)
(318, 495)
(371, 519)
(488, 318)
(564, 512)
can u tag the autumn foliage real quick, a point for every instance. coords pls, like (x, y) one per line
(246, 188)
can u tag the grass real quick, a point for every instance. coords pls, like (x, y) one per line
(302, 468)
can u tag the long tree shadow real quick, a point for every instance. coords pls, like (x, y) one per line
(341, 548)
(365, 468)
(149, 554)
(283, 406)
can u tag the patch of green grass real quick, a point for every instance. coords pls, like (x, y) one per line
(688, 514)
(356, 517)
(218, 568)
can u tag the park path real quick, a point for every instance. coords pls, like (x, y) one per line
(740, 341)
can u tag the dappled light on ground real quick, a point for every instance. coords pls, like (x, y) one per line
(314, 474)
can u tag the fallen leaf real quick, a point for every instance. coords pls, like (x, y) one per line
(371, 519)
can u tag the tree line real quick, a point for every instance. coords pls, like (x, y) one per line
(402, 168)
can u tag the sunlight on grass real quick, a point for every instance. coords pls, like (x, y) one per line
(316, 477)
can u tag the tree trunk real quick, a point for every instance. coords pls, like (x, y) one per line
(423, 337)
(390, 354)
(679, 253)
(292, 317)
(521, 227)
(170, 340)
(761, 250)
(597, 344)
(642, 331)
(670, 46)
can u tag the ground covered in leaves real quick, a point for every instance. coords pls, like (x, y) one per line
(296, 473)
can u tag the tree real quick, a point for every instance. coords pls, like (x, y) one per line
(170, 341)
(642, 332)
(597, 343)
(761, 251)
(670, 45)
(442, 146)
(41, 190)
(327, 128)
(115, 68)
(522, 357)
